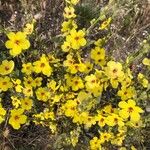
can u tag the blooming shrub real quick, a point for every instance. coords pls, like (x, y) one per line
(79, 85)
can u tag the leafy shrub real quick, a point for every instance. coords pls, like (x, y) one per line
(78, 90)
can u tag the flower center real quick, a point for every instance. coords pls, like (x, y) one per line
(115, 120)
(4, 83)
(125, 93)
(42, 94)
(17, 42)
(6, 68)
(93, 81)
(102, 120)
(77, 67)
(130, 109)
(76, 38)
(26, 103)
(29, 82)
(76, 82)
(98, 53)
(16, 117)
(69, 13)
(115, 70)
(42, 65)
(28, 68)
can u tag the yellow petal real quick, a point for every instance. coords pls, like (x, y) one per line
(124, 114)
(123, 104)
(20, 35)
(23, 119)
(82, 42)
(146, 61)
(135, 117)
(131, 102)
(15, 51)
(9, 44)
(25, 44)
(11, 35)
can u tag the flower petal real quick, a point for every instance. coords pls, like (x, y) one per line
(123, 104)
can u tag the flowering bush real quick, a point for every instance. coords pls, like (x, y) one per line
(77, 89)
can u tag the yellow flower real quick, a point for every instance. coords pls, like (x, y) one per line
(5, 83)
(84, 118)
(100, 42)
(95, 144)
(47, 114)
(108, 110)
(26, 103)
(77, 83)
(29, 28)
(70, 108)
(114, 119)
(145, 83)
(126, 93)
(66, 47)
(118, 139)
(27, 68)
(69, 12)
(114, 70)
(127, 81)
(17, 85)
(42, 94)
(101, 62)
(43, 66)
(74, 68)
(2, 114)
(76, 39)
(17, 118)
(56, 99)
(37, 81)
(140, 76)
(53, 85)
(68, 25)
(98, 53)
(29, 82)
(89, 121)
(15, 101)
(89, 67)
(69, 61)
(97, 91)
(6, 67)
(129, 109)
(68, 79)
(146, 61)
(16, 43)
(2, 111)
(27, 91)
(105, 24)
(101, 120)
(143, 80)
(114, 73)
(91, 82)
(104, 136)
(102, 78)
(52, 59)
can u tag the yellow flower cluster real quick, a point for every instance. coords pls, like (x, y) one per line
(90, 91)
